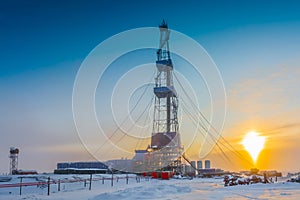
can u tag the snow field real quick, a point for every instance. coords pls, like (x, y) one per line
(198, 188)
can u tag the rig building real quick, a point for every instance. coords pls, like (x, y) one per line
(81, 168)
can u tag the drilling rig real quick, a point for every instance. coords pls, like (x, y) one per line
(165, 150)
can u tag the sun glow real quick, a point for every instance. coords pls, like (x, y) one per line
(254, 143)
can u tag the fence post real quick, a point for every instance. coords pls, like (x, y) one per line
(112, 178)
(90, 182)
(48, 185)
(21, 185)
(58, 185)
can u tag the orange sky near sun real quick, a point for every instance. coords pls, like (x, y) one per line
(254, 104)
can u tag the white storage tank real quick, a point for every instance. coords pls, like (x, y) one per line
(199, 164)
(207, 164)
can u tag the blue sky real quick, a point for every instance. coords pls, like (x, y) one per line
(43, 43)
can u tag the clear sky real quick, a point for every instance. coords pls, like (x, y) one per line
(255, 44)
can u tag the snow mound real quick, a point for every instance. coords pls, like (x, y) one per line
(146, 192)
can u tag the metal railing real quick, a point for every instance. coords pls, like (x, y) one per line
(86, 182)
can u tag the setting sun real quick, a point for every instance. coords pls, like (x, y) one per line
(254, 143)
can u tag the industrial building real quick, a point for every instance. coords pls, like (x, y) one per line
(81, 168)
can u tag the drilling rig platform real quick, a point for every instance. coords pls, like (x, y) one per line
(165, 151)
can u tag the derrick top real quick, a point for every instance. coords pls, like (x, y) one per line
(163, 25)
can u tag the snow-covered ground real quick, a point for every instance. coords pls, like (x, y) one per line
(197, 188)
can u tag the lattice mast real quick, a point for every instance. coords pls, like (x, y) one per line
(165, 150)
(165, 123)
(13, 155)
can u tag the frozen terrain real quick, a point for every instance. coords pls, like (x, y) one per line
(198, 188)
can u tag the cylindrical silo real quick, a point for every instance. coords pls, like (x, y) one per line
(207, 164)
(199, 164)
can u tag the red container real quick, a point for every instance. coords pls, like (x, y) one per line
(154, 174)
(165, 175)
(158, 174)
(144, 174)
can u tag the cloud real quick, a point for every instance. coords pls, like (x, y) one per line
(282, 128)
(265, 94)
